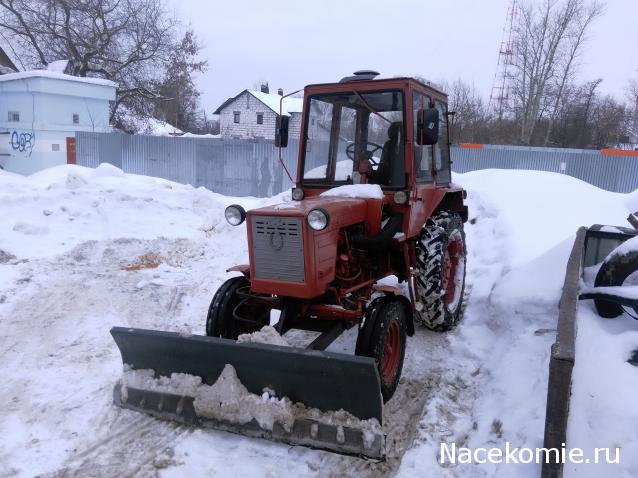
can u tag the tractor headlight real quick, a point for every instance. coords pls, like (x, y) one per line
(318, 219)
(401, 197)
(235, 214)
(297, 194)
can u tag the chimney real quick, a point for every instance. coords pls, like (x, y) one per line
(280, 92)
(264, 88)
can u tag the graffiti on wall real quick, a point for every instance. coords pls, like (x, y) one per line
(22, 142)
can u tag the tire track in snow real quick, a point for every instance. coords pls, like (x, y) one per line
(133, 445)
(68, 363)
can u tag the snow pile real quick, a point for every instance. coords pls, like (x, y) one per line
(155, 127)
(267, 335)
(58, 66)
(133, 122)
(206, 135)
(630, 245)
(56, 209)
(178, 383)
(228, 400)
(362, 191)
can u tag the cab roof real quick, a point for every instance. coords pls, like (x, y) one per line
(376, 84)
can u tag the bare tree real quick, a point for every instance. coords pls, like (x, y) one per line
(548, 38)
(126, 41)
(576, 37)
(470, 116)
(589, 119)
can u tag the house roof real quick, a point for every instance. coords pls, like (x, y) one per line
(5, 59)
(55, 75)
(270, 100)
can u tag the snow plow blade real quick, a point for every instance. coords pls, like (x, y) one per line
(320, 380)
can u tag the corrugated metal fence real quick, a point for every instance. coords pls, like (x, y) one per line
(251, 167)
(611, 170)
(231, 167)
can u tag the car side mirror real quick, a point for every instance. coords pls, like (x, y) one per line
(281, 131)
(427, 126)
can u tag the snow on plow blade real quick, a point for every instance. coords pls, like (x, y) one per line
(319, 380)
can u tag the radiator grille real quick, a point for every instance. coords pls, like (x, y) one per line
(278, 248)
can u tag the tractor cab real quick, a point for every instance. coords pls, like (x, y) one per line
(388, 132)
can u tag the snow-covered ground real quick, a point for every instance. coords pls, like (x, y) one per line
(82, 250)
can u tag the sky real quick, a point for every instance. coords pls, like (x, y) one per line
(291, 43)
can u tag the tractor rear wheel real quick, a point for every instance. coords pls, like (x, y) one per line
(440, 281)
(222, 320)
(382, 337)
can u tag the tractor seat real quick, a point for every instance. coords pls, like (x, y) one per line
(392, 150)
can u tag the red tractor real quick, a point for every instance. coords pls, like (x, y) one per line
(373, 199)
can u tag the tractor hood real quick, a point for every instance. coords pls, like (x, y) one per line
(289, 258)
(342, 212)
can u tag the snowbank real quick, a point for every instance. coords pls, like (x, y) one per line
(537, 210)
(56, 209)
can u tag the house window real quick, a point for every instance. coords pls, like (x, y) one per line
(76, 118)
(236, 116)
(14, 116)
(260, 118)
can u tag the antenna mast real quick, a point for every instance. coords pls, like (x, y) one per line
(500, 95)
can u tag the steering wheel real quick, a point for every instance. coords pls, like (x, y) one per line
(375, 147)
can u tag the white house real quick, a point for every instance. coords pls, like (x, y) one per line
(252, 114)
(40, 111)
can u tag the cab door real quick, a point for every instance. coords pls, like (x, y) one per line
(431, 165)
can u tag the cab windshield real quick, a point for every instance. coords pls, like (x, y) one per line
(346, 128)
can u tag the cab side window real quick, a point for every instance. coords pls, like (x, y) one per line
(441, 149)
(423, 155)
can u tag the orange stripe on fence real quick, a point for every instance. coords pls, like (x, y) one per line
(471, 146)
(619, 152)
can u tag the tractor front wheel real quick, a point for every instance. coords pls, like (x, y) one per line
(382, 337)
(229, 315)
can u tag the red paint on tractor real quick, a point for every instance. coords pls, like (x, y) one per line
(391, 352)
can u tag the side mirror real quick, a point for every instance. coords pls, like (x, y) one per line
(281, 131)
(427, 126)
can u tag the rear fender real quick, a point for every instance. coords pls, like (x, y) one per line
(453, 201)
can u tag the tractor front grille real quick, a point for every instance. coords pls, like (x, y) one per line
(278, 248)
